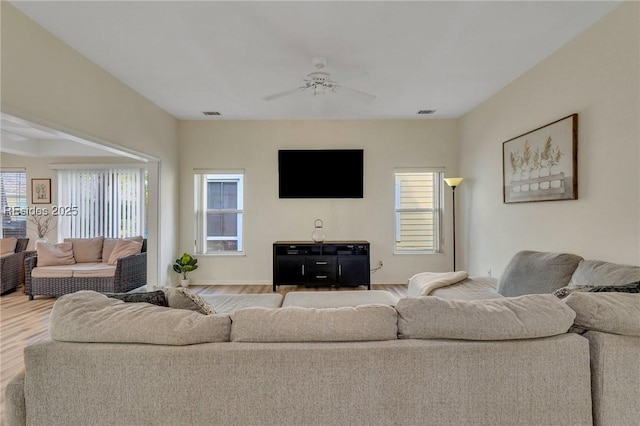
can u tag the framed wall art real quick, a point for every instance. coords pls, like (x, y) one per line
(40, 191)
(542, 165)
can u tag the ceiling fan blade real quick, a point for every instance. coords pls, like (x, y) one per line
(281, 94)
(362, 96)
(346, 75)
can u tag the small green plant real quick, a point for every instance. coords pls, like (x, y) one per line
(185, 264)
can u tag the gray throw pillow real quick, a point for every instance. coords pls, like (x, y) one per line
(154, 297)
(532, 272)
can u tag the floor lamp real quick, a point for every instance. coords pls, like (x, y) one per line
(453, 183)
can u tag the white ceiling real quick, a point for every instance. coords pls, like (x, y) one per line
(193, 56)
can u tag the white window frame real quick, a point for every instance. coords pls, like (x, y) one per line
(437, 210)
(201, 178)
(19, 212)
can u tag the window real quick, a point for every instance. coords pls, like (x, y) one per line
(418, 201)
(102, 202)
(13, 201)
(219, 212)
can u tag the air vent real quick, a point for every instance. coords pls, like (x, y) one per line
(426, 111)
(211, 113)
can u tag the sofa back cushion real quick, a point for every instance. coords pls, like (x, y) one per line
(617, 313)
(88, 316)
(599, 273)
(55, 255)
(86, 250)
(124, 248)
(110, 243)
(524, 317)
(8, 245)
(298, 324)
(531, 272)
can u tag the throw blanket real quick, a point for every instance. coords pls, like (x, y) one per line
(424, 283)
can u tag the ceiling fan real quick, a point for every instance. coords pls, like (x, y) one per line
(320, 82)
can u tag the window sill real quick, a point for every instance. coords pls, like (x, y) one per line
(221, 254)
(395, 252)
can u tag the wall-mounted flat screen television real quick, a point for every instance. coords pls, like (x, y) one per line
(322, 173)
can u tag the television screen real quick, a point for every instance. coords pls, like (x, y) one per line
(326, 173)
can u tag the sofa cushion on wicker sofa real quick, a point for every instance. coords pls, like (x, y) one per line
(88, 316)
(124, 248)
(537, 272)
(616, 313)
(55, 255)
(8, 245)
(524, 317)
(297, 324)
(110, 243)
(86, 249)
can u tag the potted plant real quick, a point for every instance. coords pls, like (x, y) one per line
(183, 265)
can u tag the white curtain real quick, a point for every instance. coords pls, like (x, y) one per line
(101, 202)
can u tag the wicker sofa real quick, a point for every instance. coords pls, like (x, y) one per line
(129, 273)
(12, 264)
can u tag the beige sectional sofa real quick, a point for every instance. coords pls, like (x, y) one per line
(100, 264)
(508, 360)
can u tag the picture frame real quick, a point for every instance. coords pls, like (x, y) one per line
(542, 165)
(40, 191)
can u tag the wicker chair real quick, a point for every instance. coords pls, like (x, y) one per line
(12, 268)
(131, 273)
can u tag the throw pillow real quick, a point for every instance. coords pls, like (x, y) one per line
(55, 255)
(627, 288)
(8, 245)
(109, 244)
(563, 292)
(86, 250)
(154, 297)
(183, 298)
(124, 248)
(532, 272)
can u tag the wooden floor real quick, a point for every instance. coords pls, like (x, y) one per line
(23, 322)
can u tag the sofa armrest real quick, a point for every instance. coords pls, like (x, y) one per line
(15, 407)
(131, 272)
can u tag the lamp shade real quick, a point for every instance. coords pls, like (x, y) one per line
(454, 181)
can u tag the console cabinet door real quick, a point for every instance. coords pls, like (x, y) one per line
(290, 270)
(353, 270)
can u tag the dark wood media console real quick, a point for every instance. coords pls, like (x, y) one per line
(331, 263)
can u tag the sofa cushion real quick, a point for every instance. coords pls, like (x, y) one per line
(523, 317)
(55, 255)
(227, 303)
(61, 271)
(153, 297)
(8, 245)
(86, 249)
(599, 273)
(297, 324)
(109, 244)
(617, 313)
(531, 272)
(88, 316)
(124, 248)
(93, 270)
(183, 298)
(338, 299)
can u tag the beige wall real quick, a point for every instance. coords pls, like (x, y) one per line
(45, 81)
(253, 146)
(597, 76)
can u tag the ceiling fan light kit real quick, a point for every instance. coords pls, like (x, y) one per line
(320, 82)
